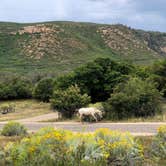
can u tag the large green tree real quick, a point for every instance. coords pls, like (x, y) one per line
(44, 89)
(159, 75)
(97, 78)
(16, 88)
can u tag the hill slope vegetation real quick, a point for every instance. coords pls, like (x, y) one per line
(62, 46)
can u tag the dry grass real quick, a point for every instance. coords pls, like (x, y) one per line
(25, 109)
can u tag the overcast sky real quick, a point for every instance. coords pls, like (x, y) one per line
(142, 14)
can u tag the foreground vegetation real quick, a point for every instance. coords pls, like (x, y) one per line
(101, 148)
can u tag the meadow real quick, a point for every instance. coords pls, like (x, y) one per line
(25, 109)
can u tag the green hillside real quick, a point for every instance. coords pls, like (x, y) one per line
(57, 47)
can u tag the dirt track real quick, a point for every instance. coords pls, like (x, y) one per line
(41, 118)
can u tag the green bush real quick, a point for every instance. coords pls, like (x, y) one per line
(13, 129)
(17, 88)
(67, 101)
(44, 90)
(135, 98)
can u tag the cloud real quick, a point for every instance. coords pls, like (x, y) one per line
(149, 14)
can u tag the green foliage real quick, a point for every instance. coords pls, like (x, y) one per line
(65, 81)
(63, 148)
(143, 72)
(75, 44)
(43, 90)
(79, 43)
(158, 149)
(16, 88)
(134, 98)
(13, 129)
(159, 75)
(97, 78)
(67, 101)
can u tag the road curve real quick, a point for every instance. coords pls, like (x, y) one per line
(134, 128)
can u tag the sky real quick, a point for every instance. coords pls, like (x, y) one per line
(140, 14)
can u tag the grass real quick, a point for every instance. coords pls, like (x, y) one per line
(25, 109)
(157, 118)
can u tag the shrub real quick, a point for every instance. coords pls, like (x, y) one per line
(120, 148)
(44, 90)
(13, 129)
(7, 108)
(15, 89)
(134, 98)
(158, 149)
(57, 147)
(67, 101)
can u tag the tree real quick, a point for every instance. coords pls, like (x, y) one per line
(14, 129)
(159, 75)
(134, 98)
(17, 88)
(22, 88)
(96, 78)
(67, 101)
(44, 90)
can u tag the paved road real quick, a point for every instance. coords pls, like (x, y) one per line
(34, 124)
(134, 128)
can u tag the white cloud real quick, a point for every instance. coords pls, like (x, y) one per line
(149, 14)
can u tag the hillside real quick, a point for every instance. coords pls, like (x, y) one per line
(57, 47)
